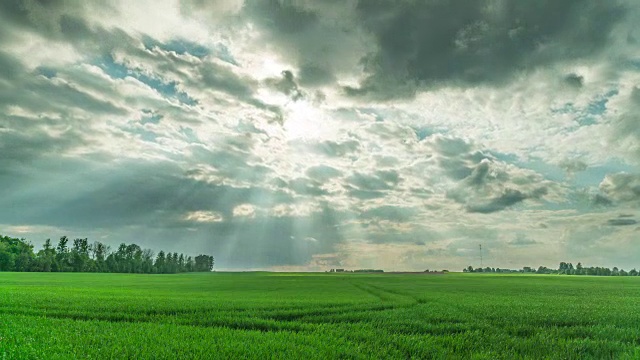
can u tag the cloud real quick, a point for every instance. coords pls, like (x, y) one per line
(508, 198)
(483, 183)
(621, 222)
(626, 133)
(306, 187)
(522, 240)
(621, 188)
(573, 165)
(260, 131)
(428, 45)
(132, 193)
(319, 38)
(391, 213)
(322, 173)
(337, 149)
(286, 85)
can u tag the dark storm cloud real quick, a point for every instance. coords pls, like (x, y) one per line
(508, 198)
(53, 19)
(621, 222)
(321, 38)
(574, 80)
(601, 200)
(20, 148)
(433, 43)
(89, 195)
(287, 85)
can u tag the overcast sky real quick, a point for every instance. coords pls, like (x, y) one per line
(309, 135)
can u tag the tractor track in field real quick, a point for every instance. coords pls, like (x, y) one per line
(268, 321)
(385, 295)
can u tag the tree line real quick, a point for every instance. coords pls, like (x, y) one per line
(81, 256)
(563, 269)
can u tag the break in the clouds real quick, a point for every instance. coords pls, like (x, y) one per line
(317, 134)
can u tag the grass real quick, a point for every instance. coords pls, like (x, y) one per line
(318, 316)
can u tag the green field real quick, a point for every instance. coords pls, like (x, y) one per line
(318, 316)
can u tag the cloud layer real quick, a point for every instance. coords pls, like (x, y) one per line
(308, 135)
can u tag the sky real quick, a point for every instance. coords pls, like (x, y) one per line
(308, 135)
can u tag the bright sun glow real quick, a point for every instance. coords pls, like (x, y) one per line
(303, 121)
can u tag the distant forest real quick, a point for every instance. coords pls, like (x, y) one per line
(564, 269)
(81, 256)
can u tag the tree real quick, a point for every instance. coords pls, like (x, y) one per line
(45, 259)
(7, 258)
(203, 263)
(147, 261)
(62, 255)
(80, 255)
(18, 255)
(181, 264)
(99, 252)
(160, 263)
(190, 264)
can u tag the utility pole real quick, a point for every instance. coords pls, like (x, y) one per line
(481, 256)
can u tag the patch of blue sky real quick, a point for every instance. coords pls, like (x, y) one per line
(568, 108)
(146, 135)
(188, 133)
(549, 171)
(634, 64)
(140, 132)
(508, 158)
(181, 47)
(423, 132)
(599, 106)
(151, 119)
(167, 89)
(46, 71)
(377, 114)
(594, 175)
(590, 114)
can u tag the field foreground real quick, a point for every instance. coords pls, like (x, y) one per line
(317, 316)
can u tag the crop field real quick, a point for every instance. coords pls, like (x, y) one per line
(318, 316)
